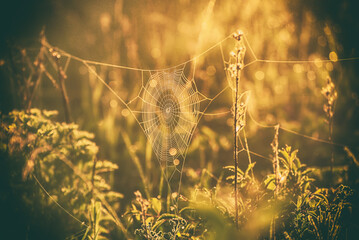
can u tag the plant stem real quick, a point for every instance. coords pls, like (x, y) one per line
(136, 161)
(276, 174)
(248, 153)
(275, 159)
(236, 146)
(332, 147)
(65, 98)
(93, 176)
(39, 73)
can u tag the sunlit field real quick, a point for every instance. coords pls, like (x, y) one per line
(179, 120)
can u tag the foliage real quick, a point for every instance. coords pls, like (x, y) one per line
(61, 155)
(301, 210)
(198, 218)
(321, 214)
(64, 159)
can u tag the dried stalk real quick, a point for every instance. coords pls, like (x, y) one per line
(274, 145)
(62, 76)
(39, 72)
(235, 70)
(236, 149)
(61, 79)
(248, 153)
(330, 94)
(93, 176)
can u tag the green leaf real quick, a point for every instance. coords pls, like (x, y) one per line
(86, 233)
(168, 216)
(186, 209)
(270, 182)
(114, 195)
(156, 205)
(232, 169)
(249, 168)
(158, 224)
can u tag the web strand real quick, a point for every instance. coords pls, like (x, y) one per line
(62, 208)
(293, 132)
(63, 52)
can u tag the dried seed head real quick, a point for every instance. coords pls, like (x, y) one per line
(238, 35)
(330, 95)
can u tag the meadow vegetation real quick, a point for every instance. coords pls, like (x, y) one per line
(274, 155)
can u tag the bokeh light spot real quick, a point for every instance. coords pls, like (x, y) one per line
(329, 66)
(105, 21)
(153, 83)
(333, 56)
(172, 151)
(125, 112)
(156, 53)
(311, 75)
(318, 63)
(113, 103)
(298, 68)
(259, 75)
(211, 70)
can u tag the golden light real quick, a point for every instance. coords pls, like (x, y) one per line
(125, 112)
(176, 162)
(333, 56)
(113, 103)
(172, 151)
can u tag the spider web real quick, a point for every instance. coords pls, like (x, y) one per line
(170, 108)
(170, 113)
(167, 107)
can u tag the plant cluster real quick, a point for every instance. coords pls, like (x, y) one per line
(301, 210)
(64, 159)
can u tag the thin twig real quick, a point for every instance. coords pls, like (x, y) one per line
(39, 72)
(332, 146)
(248, 152)
(93, 175)
(62, 76)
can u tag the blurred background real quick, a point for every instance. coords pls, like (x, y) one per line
(159, 34)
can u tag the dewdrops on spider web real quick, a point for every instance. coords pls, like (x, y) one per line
(176, 162)
(169, 114)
